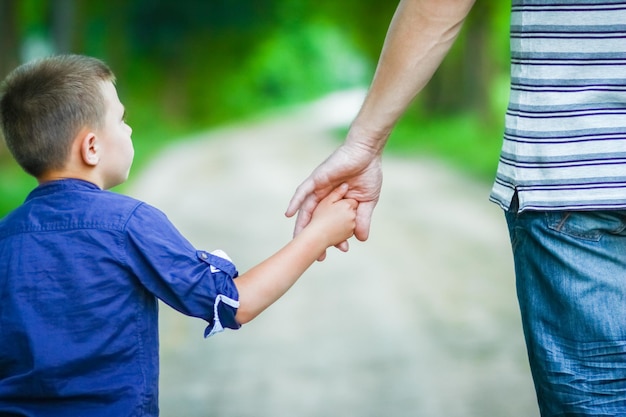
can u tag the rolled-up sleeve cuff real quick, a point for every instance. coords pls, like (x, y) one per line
(227, 299)
(224, 311)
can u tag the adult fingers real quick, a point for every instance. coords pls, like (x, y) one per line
(303, 191)
(363, 220)
(302, 220)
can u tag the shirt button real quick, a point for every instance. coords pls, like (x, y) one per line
(204, 255)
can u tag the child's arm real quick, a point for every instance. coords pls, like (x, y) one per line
(333, 222)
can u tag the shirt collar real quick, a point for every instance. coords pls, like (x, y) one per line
(65, 184)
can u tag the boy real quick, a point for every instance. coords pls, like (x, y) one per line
(81, 268)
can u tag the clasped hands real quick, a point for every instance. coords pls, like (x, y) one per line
(356, 166)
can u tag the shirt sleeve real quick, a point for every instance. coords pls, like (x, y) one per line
(194, 282)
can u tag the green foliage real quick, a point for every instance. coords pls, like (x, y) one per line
(32, 13)
(461, 140)
(14, 184)
(293, 65)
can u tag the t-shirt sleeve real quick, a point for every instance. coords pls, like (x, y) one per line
(194, 282)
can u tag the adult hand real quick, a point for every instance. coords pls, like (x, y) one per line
(353, 163)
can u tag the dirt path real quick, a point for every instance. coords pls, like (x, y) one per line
(421, 320)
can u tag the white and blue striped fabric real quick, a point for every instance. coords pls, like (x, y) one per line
(564, 143)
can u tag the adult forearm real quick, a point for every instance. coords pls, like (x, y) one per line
(419, 37)
(268, 281)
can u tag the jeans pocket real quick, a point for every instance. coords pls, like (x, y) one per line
(587, 225)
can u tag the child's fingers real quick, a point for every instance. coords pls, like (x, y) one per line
(343, 246)
(338, 193)
(354, 204)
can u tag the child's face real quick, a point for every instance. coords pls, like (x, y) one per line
(114, 138)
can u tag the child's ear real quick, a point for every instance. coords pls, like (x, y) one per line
(89, 150)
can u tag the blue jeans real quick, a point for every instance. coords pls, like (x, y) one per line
(571, 284)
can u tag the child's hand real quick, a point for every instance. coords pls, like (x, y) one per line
(334, 217)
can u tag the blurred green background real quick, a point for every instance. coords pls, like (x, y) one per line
(190, 65)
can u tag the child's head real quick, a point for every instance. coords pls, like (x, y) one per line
(49, 107)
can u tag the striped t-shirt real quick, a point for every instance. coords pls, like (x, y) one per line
(565, 133)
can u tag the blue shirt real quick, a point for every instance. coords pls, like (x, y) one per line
(81, 270)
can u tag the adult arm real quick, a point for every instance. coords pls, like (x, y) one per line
(419, 37)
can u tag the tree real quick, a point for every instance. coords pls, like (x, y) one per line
(467, 74)
(62, 24)
(8, 36)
